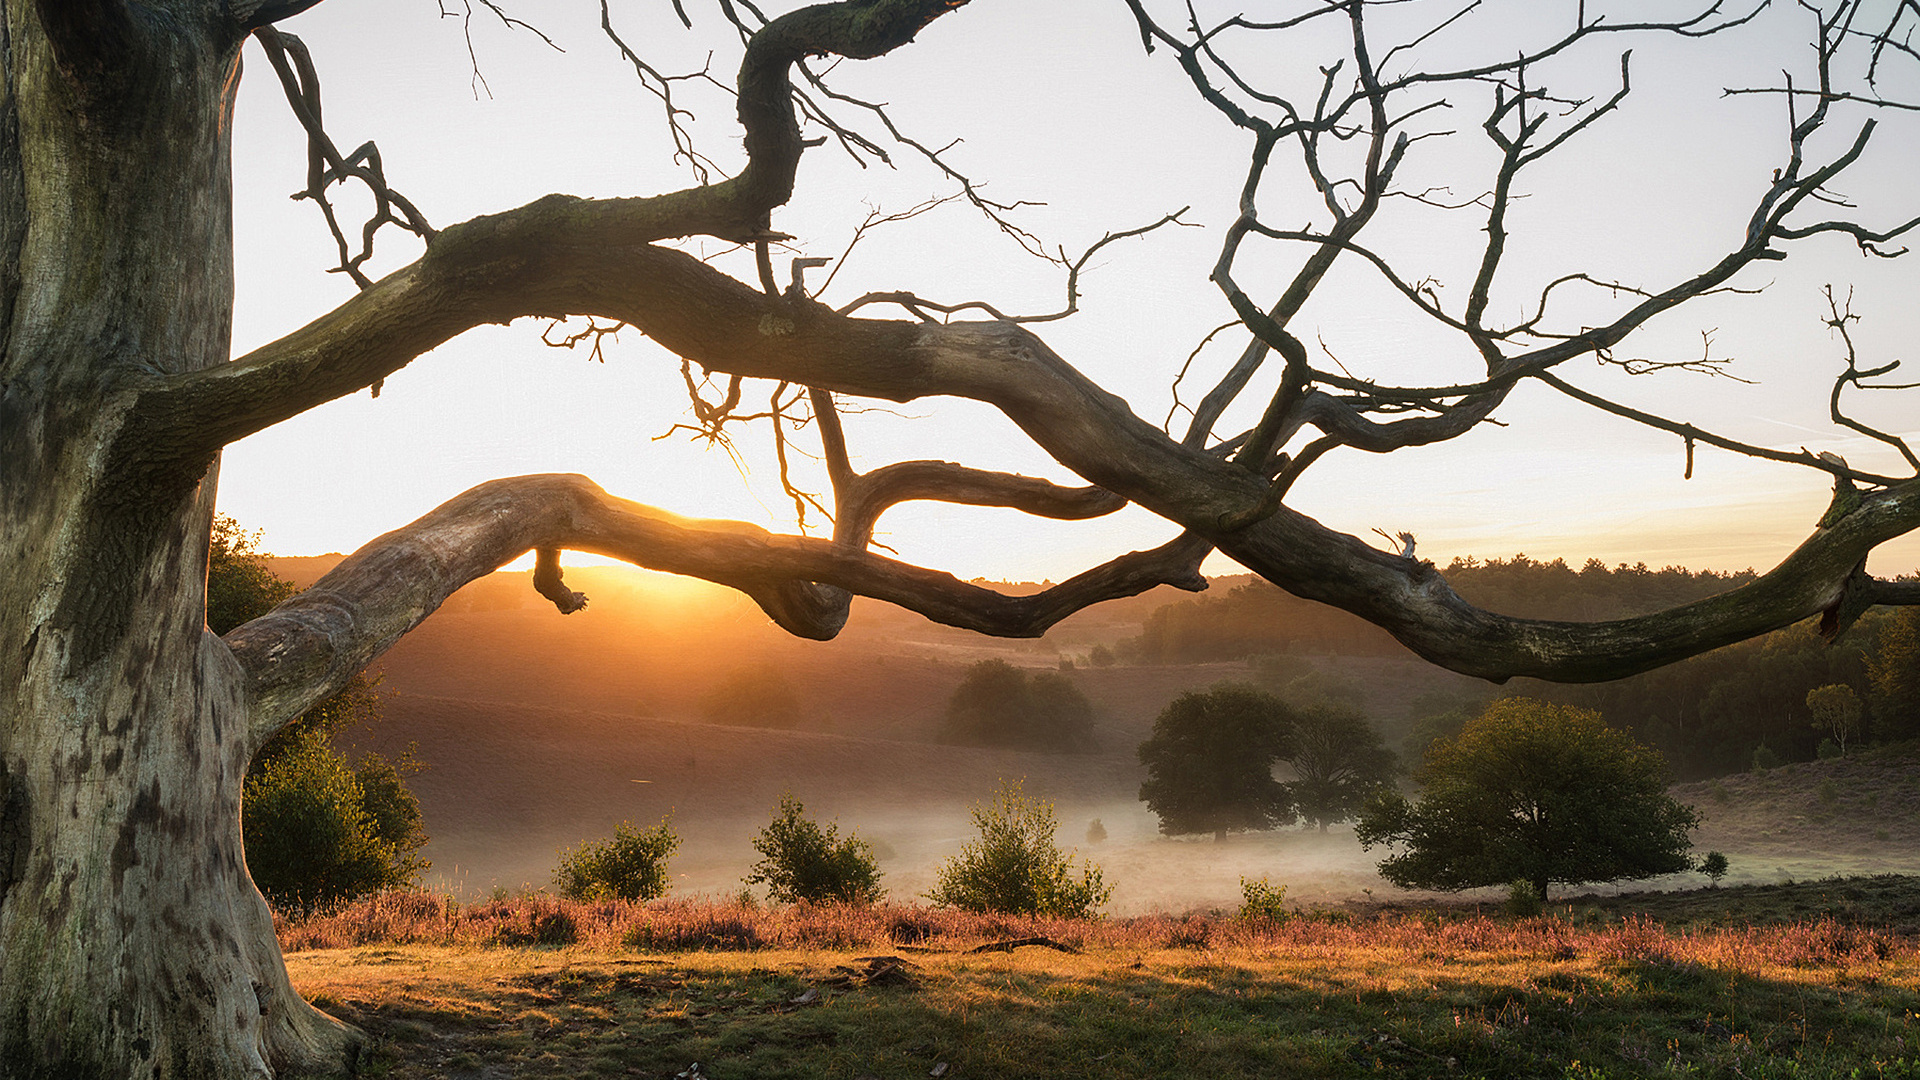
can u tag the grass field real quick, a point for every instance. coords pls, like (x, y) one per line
(1816, 979)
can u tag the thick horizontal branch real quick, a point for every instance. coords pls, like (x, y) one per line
(1904, 593)
(698, 312)
(309, 646)
(548, 260)
(1410, 600)
(444, 294)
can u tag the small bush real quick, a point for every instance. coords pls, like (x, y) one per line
(1827, 750)
(1100, 657)
(1764, 758)
(1261, 901)
(1523, 899)
(1015, 867)
(804, 863)
(1827, 792)
(629, 865)
(1096, 832)
(319, 832)
(1715, 867)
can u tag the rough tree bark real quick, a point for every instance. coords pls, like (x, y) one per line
(132, 942)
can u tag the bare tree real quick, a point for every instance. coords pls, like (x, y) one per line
(133, 942)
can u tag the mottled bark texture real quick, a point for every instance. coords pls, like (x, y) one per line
(131, 941)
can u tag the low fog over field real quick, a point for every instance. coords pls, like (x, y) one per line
(540, 731)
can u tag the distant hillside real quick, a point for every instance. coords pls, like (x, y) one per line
(1860, 813)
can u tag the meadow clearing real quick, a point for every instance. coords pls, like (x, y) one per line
(1802, 980)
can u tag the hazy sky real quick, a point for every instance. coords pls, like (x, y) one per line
(1057, 103)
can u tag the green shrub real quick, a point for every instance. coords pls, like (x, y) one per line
(319, 831)
(1523, 898)
(1715, 867)
(1096, 832)
(629, 865)
(1764, 758)
(804, 863)
(1015, 867)
(1261, 901)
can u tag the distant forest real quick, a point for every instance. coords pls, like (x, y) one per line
(1709, 715)
(1254, 617)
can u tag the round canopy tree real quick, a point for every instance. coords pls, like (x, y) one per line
(1210, 762)
(1339, 763)
(1533, 792)
(135, 943)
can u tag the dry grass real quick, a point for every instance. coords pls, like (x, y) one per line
(414, 918)
(538, 987)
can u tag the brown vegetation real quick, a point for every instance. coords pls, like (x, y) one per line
(1842, 934)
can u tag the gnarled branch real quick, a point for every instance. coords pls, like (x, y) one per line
(309, 646)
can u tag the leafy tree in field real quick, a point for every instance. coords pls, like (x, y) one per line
(1534, 792)
(1714, 866)
(1836, 711)
(1016, 867)
(1340, 761)
(1895, 671)
(1210, 762)
(629, 865)
(998, 704)
(801, 862)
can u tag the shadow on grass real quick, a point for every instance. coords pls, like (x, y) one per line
(1114, 1014)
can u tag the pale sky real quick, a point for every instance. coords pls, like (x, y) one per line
(1057, 103)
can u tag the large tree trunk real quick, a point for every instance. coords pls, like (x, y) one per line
(132, 942)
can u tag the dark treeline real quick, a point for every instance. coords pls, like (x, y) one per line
(1254, 617)
(1711, 714)
(1714, 713)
